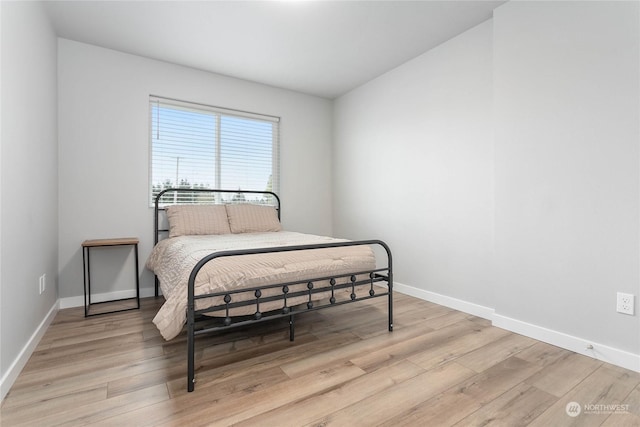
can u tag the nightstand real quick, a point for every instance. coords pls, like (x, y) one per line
(86, 247)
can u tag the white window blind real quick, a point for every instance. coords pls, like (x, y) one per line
(199, 146)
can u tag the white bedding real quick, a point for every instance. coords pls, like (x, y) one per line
(173, 259)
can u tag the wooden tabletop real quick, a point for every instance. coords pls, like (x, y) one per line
(110, 242)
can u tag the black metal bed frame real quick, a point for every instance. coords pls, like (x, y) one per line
(330, 284)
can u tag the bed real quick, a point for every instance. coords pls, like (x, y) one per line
(223, 261)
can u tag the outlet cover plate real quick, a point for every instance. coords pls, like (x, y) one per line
(625, 303)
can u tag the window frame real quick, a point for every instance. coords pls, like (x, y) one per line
(219, 113)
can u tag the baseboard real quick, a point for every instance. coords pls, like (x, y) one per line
(578, 345)
(78, 301)
(18, 364)
(456, 304)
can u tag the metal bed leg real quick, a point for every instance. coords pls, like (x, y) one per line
(291, 325)
(390, 303)
(137, 277)
(191, 356)
(190, 360)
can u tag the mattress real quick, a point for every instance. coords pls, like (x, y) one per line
(173, 259)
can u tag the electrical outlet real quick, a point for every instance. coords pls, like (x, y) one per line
(625, 303)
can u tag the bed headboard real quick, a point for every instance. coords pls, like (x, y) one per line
(193, 196)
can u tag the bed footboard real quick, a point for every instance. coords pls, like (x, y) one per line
(283, 293)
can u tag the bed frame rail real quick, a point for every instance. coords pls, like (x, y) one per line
(382, 275)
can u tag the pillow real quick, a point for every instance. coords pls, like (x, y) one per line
(186, 220)
(247, 218)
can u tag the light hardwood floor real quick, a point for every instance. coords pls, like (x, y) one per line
(439, 367)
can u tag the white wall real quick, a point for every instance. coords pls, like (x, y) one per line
(536, 227)
(29, 176)
(567, 118)
(413, 161)
(104, 149)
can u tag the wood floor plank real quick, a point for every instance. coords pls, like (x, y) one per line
(334, 355)
(353, 323)
(86, 380)
(163, 374)
(448, 318)
(515, 408)
(206, 400)
(97, 413)
(457, 345)
(234, 408)
(34, 411)
(458, 402)
(316, 406)
(77, 369)
(213, 370)
(43, 359)
(407, 394)
(439, 367)
(80, 336)
(564, 374)
(432, 316)
(407, 348)
(627, 415)
(543, 354)
(495, 351)
(607, 385)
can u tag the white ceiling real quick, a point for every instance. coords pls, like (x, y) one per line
(323, 48)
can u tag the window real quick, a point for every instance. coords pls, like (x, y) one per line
(198, 146)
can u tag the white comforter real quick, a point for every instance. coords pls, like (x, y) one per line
(173, 259)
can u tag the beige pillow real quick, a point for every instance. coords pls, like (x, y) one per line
(186, 220)
(247, 218)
